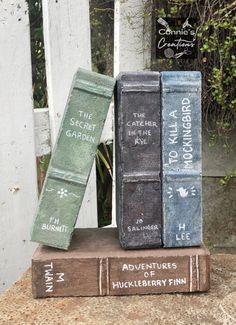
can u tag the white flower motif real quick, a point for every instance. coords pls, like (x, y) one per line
(62, 192)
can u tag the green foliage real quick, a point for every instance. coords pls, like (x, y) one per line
(216, 34)
(102, 28)
(104, 183)
(226, 180)
(42, 166)
(216, 59)
(37, 54)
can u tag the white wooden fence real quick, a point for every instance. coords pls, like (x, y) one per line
(24, 133)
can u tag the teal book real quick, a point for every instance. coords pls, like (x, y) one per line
(181, 158)
(72, 159)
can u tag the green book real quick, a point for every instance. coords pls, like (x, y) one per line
(72, 159)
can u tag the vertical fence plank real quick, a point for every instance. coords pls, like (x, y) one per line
(18, 190)
(132, 48)
(67, 47)
(132, 35)
(42, 132)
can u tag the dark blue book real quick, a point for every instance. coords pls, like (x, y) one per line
(181, 158)
(138, 160)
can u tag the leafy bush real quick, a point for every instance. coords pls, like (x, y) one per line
(37, 54)
(216, 59)
(102, 29)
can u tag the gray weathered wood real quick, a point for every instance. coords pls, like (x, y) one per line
(18, 190)
(107, 133)
(42, 132)
(132, 35)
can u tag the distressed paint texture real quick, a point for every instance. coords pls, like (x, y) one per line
(181, 158)
(138, 186)
(132, 50)
(132, 36)
(72, 158)
(18, 190)
(68, 47)
(217, 307)
(42, 132)
(96, 265)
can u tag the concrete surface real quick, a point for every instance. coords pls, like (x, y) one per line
(219, 211)
(216, 161)
(218, 306)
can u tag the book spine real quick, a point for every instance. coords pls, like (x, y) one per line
(181, 158)
(72, 159)
(138, 185)
(120, 276)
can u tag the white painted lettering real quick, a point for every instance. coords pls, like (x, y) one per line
(85, 115)
(141, 227)
(48, 277)
(173, 114)
(60, 277)
(183, 236)
(182, 226)
(80, 136)
(173, 155)
(49, 227)
(140, 141)
(148, 267)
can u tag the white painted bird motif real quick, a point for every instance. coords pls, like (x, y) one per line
(182, 192)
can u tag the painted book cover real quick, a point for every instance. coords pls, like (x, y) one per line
(96, 265)
(72, 159)
(138, 159)
(181, 158)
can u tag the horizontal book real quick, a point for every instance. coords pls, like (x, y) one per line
(72, 159)
(181, 158)
(138, 156)
(96, 265)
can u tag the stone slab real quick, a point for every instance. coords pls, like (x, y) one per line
(217, 307)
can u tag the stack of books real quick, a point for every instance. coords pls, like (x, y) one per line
(157, 246)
